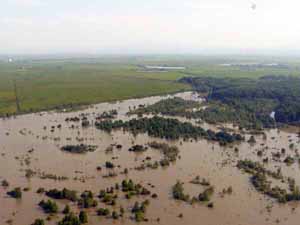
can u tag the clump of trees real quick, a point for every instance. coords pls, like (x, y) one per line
(198, 180)
(108, 115)
(139, 210)
(172, 107)
(49, 206)
(103, 212)
(83, 217)
(52, 176)
(70, 219)
(109, 165)
(85, 123)
(72, 119)
(15, 193)
(205, 196)
(66, 210)
(260, 181)
(170, 153)
(40, 190)
(169, 129)
(252, 167)
(4, 183)
(178, 192)
(38, 222)
(250, 102)
(79, 149)
(289, 160)
(63, 194)
(108, 197)
(137, 148)
(252, 140)
(87, 200)
(132, 189)
(115, 215)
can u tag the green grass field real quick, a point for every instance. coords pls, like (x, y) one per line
(45, 84)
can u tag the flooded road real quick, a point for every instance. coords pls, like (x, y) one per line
(27, 143)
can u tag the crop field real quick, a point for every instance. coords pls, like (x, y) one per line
(48, 83)
(44, 86)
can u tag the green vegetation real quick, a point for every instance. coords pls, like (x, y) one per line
(103, 212)
(137, 148)
(171, 106)
(198, 180)
(139, 210)
(40, 190)
(38, 222)
(83, 217)
(52, 177)
(109, 165)
(108, 115)
(4, 183)
(289, 160)
(262, 184)
(246, 102)
(107, 197)
(87, 200)
(63, 194)
(132, 189)
(57, 84)
(178, 192)
(255, 167)
(206, 194)
(49, 206)
(115, 215)
(250, 102)
(70, 219)
(80, 149)
(170, 153)
(15, 193)
(168, 129)
(66, 210)
(203, 197)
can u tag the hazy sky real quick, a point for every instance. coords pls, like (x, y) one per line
(152, 26)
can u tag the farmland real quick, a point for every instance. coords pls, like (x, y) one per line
(43, 83)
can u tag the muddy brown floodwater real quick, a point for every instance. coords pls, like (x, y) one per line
(245, 206)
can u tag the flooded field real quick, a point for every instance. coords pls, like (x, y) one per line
(30, 151)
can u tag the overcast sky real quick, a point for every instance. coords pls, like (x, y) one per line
(152, 26)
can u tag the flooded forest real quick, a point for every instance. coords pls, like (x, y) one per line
(148, 160)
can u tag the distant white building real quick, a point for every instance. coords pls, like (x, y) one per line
(165, 67)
